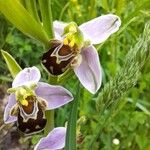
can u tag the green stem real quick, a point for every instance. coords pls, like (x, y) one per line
(63, 10)
(50, 113)
(46, 14)
(50, 121)
(45, 7)
(71, 129)
(53, 80)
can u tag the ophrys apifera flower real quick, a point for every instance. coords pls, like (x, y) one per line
(30, 98)
(73, 47)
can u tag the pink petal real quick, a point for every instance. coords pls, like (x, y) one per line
(11, 102)
(89, 71)
(99, 29)
(56, 96)
(59, 29)
(55, 140)
(27, 76)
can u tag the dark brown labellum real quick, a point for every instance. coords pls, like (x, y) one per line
(32, 126)
(58, 59)
(31, 118)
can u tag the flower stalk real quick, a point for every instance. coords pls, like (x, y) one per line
(50, 113)
(46, 13)
(71, 127)
(50, 121)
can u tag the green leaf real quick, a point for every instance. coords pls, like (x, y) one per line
(31, 6)
(46, 14)
(140, 106)
(13, 66)
(21, 18)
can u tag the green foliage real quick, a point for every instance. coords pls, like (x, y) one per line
(126, 78)
(21, 48)
(129, 74)
(23, 20)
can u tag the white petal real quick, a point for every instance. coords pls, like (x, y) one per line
(56, 96)
(59, 29)
(11, 102)
(99, 29)
(89, 72)
(55, 140)
(27, 76)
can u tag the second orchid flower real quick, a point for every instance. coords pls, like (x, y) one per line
(29, 99)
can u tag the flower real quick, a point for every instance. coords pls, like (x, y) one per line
(116, 141)
(74, 48)
(53, 141)
(30, 98)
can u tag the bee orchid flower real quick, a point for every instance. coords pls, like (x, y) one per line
(29, 99)
(73, 47)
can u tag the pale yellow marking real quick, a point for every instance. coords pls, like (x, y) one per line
(51, 68)
(44, 61)
(27, 130)
(37, 127)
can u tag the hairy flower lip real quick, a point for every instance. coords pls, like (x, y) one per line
(58, 58)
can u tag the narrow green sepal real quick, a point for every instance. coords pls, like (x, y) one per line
(12, 65)
(11, 90)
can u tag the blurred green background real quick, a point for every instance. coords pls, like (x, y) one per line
(130, 121)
